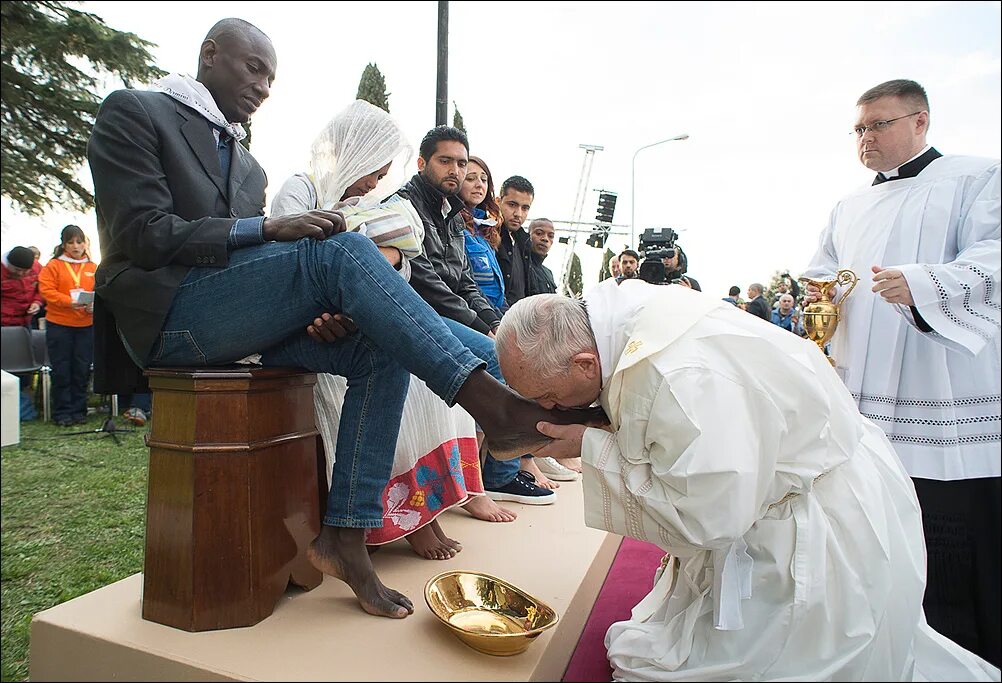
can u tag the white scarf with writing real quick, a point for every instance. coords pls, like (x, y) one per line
(190, 92)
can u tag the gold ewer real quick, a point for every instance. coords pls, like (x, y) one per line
(821, 318)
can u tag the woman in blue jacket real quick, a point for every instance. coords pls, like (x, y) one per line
(482, 216)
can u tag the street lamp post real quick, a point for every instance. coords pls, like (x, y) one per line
(633, 185)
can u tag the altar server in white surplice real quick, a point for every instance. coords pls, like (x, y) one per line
(918, 344)
(794, 534)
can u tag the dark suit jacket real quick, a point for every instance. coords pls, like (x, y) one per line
(163, 207)
(759, 307)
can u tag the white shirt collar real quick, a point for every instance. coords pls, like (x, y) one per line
(893, 173)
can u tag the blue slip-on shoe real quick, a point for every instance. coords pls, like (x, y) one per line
(523, 489)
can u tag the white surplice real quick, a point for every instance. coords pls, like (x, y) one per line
(935, 394)
(795, 535)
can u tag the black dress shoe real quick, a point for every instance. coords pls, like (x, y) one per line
(63, 422)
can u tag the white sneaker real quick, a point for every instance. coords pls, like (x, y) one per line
(555, 471)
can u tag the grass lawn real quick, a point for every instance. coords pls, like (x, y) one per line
(72, 521)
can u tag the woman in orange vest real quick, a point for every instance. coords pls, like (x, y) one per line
(67, 285)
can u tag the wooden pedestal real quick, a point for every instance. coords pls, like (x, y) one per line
(233, 494)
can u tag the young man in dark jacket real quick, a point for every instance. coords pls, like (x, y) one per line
(513, 252)
(441, 275)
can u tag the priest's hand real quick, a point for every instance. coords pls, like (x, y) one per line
(329, 328)
(812, 295)
(566, 440)
(891, 284)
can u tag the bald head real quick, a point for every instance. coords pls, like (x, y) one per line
(237, 65)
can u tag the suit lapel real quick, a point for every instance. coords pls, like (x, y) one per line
(200, 141)
(240, 166)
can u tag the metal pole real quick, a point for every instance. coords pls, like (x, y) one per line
(633, 185)
(442, 92)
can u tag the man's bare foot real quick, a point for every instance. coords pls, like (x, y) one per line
(572, 464)
(482, 507)
(440, 532)
(509, 421)
(427, 544)
(340, 552)
(529, 465)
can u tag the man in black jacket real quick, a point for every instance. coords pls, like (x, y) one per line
(441, 275)
(757, 304)
(513, 252)
(541, 236)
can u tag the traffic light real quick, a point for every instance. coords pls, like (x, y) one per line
(606, 207)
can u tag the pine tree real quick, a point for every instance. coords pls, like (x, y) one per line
(457, 118)
(372, 87)
(574, 285)
(49, 104)
(605, 272)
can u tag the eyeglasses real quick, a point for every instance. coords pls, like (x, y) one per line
(880, 126)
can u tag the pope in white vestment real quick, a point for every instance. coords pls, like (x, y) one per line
(793, 532)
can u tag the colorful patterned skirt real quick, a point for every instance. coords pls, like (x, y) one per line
(436, 465)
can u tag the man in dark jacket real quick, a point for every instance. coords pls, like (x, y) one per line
(757, 304)
(513, 252)
(441, 275)
(541, 236)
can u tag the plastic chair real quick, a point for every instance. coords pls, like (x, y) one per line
(41, 351)
(16, 353)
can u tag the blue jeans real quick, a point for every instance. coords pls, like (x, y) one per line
(71, 352)
(496, 473)
(263, 301)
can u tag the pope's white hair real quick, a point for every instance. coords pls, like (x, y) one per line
(548, 330)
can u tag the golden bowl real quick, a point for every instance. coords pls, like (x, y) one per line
(488, 614)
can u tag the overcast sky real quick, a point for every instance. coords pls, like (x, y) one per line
(765, 90)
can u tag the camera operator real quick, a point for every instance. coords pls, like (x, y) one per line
(675, 269)
(664, 262)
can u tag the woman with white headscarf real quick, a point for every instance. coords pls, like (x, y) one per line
(355, 163)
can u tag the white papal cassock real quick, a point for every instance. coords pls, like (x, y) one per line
(794, 532)
(935, 394)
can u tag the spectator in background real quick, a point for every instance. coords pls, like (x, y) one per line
(732, 295)
(541, 236)
(787, 285)
(19, 304)
(516, 198)
(38, 269)
(614, 266)
(482, 216)
(69, 332)
(785, 314)
(757, 304)
(629, 263)
(21, 300)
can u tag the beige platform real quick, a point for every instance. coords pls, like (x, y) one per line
(324, 635)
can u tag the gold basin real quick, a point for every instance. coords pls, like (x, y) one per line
(488, 614)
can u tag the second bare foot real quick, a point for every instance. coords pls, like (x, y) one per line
(482, 507)
(427, 544)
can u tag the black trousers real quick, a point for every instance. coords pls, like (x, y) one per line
(962, 521)
(71, 352)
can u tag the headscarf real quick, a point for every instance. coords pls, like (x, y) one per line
(366, 138)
